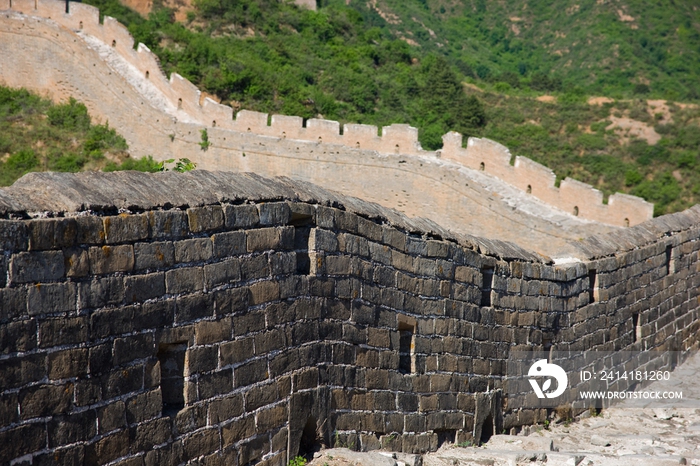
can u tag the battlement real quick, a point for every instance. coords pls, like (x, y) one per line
(185, 103)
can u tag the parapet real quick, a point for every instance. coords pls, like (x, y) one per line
(571, 196)
(186, 102)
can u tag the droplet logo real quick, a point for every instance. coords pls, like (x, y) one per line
(542, 368)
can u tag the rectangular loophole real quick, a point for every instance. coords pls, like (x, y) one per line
(669, 260)
(407, 347)
(592, 285)
(636, 327)
(486, 285)
(172, 380)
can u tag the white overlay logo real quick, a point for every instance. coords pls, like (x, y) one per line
(542, 368)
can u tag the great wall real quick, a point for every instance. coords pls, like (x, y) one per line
(228, 318)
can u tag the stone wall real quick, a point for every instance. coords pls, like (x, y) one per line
(126, 87)
(233, 319)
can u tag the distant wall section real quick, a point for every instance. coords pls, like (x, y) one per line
(69, 69)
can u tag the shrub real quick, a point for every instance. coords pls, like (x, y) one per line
(73, 115)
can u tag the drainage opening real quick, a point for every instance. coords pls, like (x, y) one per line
(302, 230)
(637, 328)
(172, 380)
(310, 441)
(486, 429)
(407, 346)
(592, 285)
(486, 285)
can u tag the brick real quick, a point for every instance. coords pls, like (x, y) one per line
(206, 218)
(191, 418)
(231, 300)
(68, 363)
(255, 267)
(167, 223)
(133, 347)
(28, 267)
(107, 448)
(125, 228)
(90, 230)
(263, 292)
(45, 400)
(49, 298)
(223, 409)
(193, 250)
(100, 292)
(122, 381)
(283, 263)
(14, 235)
(148, 434)
(201, 359)
(323, 240)
(207, 332)
(87, 392)
(112, 416)
(67, 429)
(274, 213)
(9, 414)
(253, 449)
(260, 396)
(76, 262)
(115, 321)
(110, 259)
(144, 407)
(62, 331)
(236, 351)
(18, 336)
(201, 443)
(21, 440)
(241, 216)
(250, 373)
(263, 239)
(13, 303)
(222, 273)
(230, 243)
(52, 233)
(139, 288)
(193, 307)
(270, 341)
(184, 280)
(215, 383)
(271, 418)
(22, 370)
(154, 256)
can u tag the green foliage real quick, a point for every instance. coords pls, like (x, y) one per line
(143, 164)
(204, 143)
(297, 461)
(37, 135)
(72, 116)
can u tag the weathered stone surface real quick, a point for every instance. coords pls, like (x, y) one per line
(110, 259)
(28, 267)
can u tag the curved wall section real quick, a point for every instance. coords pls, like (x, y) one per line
(230, 318)
(75, 55)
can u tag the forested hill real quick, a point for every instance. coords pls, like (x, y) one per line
(603, 91)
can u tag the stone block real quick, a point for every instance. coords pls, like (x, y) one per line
(184, 280)
(18, 336)
(125, 228)
(133, 347)
(191, 418)
(113, 321)
(215, 383)
(63, 331)
(54, 233)
(282, 263)
(224, 409)
(45, 400)
(148, 434)
(230, 243)
(193, 307)
(122, 381)
(100, 292)
(144, 407)
(153, 256)
(112, 416)
(68, 363)
(394, 238)
(73, 428)
(107, 448)
(139, 288)
(222, 273)
(250, 373)
(206, 218)
(323, 240)
(236, 351)
(208, 331)
(21, 440)
(76, 262)
(22, 370)
(110, 259)
(238, 430)
(255, 267)
(263, 292)
(14, 235)
(241, 216)
(167, 223)
(272, 418)
(201, 443)
(201, 359)
(193, 250)
(274, 213)
(231, 300)
(29, 267)
(263, 239)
